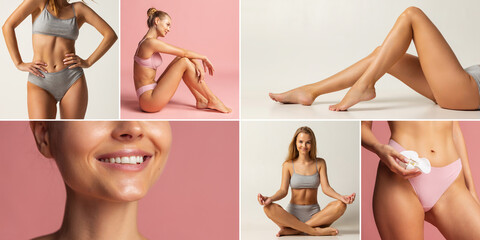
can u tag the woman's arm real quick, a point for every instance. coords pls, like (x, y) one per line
(162, 47)
(86, 14)
(282, 192)
(327, 189)
(26, 8)
(462, 151)
(387, 154)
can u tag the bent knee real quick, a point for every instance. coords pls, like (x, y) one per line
(411, 12)
(270, 208)
(340, 206)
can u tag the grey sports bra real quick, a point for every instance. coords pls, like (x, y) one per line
(48, 24)
(305, 181)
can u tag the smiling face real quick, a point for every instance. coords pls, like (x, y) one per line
(163, 25)
(116, 161)
(304, 143)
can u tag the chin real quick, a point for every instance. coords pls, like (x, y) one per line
(128, 193)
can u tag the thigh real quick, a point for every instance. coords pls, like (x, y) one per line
(41, 104)
(456, 214)
(451, 85)
(74, 104)
(167, 84)
(396, 208)
(409, 71)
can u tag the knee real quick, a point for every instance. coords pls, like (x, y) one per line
(412, 12)
(340, 206)
(376, 51)
(270, 209)
(187, 63)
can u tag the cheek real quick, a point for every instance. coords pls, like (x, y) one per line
(73, 152)
(161, 136)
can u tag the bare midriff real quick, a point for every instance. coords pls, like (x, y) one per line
(51, 50)
(304, 196)
(143, 75)
(431, 140)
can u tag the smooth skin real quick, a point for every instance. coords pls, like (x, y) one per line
(395, 203)
(53, 54)
(185, 66)
(102, 201)
(319, 224)
(435, 73)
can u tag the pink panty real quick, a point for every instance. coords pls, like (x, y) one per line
(145, 88)
(430, 187)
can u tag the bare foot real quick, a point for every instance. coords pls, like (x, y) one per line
(287, 231)
(219, 106)
(328, 231)
(355, 95)
(298, 95)
(202, 104)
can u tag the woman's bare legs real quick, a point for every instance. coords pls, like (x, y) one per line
(324, 218)
(456, 206)
(41, 104)
(407, 69)
(396, 208)
(168, 82)
(452, 87)
(286, 220)
(74, 104)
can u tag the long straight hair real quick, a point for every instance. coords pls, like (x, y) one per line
(292, 149)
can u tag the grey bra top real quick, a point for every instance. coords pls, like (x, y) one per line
(305, 181)
(48, 24)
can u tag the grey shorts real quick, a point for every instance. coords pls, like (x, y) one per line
(57, 83)
(474, 71)
(303, 212)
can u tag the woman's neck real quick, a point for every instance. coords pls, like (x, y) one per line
(92, 218)
(151, 33)
(303, 157)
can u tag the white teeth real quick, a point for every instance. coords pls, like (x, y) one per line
(123, 160)
(133, 160)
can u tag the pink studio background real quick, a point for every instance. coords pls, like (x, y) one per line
(208, 27)
(33, 194)
(369, 171)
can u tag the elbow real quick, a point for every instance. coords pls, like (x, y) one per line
(6, 27)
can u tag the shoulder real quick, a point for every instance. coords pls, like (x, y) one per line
(82, 8)
(321, 161)
(287, 165)
(45, 237)
(40, 4)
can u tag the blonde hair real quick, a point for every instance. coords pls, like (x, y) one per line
(54, 5)
(153, 13)
(292, 149)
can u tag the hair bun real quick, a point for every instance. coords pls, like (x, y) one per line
(151, 11)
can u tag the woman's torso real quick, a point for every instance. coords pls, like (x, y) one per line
(52, 49)
(431, 140)
(144, 75)
(304, 173)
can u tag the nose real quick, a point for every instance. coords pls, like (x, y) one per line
(128, 131)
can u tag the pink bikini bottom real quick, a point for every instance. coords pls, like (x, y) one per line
(145, 88)
(430, 187)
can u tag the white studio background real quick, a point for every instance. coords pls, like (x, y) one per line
(102, 78)
(287, 43)
(264, 147)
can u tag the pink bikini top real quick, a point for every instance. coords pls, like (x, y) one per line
(152, 62)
